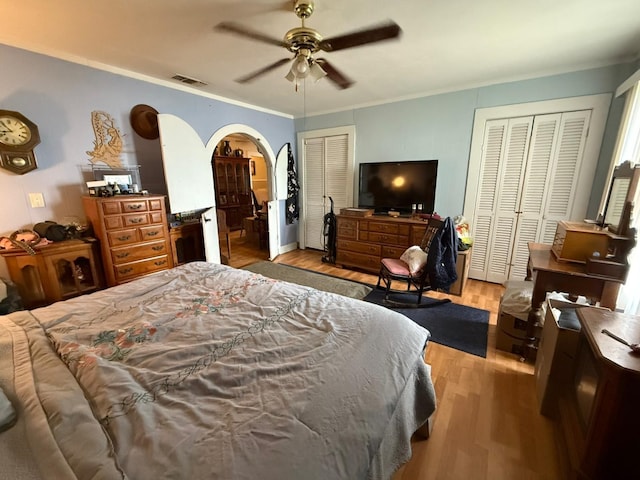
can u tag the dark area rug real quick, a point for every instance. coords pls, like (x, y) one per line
(456, 326)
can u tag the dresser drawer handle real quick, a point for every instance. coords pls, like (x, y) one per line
(124, 271)
(152, 234)
(123, 238)
(134, 207)
(157, 248)
(122, 255)
(137, 220)
(160, 262)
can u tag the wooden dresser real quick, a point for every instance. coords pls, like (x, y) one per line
(133, 234)
(363, 241)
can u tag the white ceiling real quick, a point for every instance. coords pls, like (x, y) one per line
(446, 45)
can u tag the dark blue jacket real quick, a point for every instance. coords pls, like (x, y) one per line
(443, 252)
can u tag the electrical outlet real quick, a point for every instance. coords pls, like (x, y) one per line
(36, 200)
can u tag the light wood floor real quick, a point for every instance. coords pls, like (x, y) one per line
(487, 424)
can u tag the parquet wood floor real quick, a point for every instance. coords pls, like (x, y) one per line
(487, 424)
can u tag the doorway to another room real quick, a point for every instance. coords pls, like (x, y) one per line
(242, 195)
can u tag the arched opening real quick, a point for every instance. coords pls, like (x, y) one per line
(262, 146)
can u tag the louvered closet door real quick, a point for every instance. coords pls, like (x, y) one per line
(505, 148)
(313, 188)
(528, 183)
(327, 174)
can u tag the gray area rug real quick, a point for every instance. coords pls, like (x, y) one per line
(308, 278)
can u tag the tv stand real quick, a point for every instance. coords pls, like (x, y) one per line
(362, 242)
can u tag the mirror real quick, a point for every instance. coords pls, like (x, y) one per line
(622, 192)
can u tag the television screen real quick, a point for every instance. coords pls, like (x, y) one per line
(386, 186)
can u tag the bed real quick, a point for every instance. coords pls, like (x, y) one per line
(210, 372)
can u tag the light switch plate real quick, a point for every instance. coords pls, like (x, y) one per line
(36, 200)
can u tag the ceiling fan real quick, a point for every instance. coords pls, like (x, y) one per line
(304, 42)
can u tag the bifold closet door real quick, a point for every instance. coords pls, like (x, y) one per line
(529, 175)
(327, 173)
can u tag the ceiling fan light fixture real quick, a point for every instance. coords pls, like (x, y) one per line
(316, 71)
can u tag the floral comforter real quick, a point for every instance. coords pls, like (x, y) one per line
(208, 372)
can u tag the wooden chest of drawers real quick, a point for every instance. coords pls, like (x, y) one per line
(363, 241)
(133, 234)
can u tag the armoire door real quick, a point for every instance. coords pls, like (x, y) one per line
(328, 172)
(531, 168)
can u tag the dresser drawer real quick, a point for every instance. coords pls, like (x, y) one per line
(135, 220)
(113, 222)
(129, 271)
(138, 252)
(361, 247)
(110, 208)
(387, 238)
(122, 237)
(347, 228)
(383, 227)
(134, 206)
(392, 252)
(152, 232)
(360, 260)
(156, 204)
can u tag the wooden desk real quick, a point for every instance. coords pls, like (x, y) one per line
(551, 275)
(599, 411)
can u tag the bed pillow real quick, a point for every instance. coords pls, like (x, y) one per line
(7, 412)
(415, 258)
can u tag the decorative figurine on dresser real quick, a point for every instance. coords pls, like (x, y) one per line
(133, 234)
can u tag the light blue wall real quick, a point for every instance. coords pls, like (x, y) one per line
(440, 126)
(59, 97)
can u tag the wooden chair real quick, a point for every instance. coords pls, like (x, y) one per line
(223, 228)
(396, 269)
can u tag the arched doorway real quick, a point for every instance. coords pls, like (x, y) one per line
(270, 159)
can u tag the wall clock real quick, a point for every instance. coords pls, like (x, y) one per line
(18, 138)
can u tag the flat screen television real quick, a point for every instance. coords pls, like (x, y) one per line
(386, 186)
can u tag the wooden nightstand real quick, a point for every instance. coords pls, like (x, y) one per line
(57, 271)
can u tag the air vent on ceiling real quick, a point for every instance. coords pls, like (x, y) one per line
(188, 80)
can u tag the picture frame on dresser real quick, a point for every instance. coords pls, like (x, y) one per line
(124, 177)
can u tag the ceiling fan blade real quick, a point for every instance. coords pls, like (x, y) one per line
(237, 29)
(385, 31)
(262, 71)
(334, 75)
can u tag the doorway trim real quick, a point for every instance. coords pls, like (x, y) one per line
(265, 149)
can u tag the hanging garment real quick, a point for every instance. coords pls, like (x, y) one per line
(293, 187)
(442, 261)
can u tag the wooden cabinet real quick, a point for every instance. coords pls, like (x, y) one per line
(363, 241)
(233, 189)
(57, 271)
(598, 410)
(133, 234)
